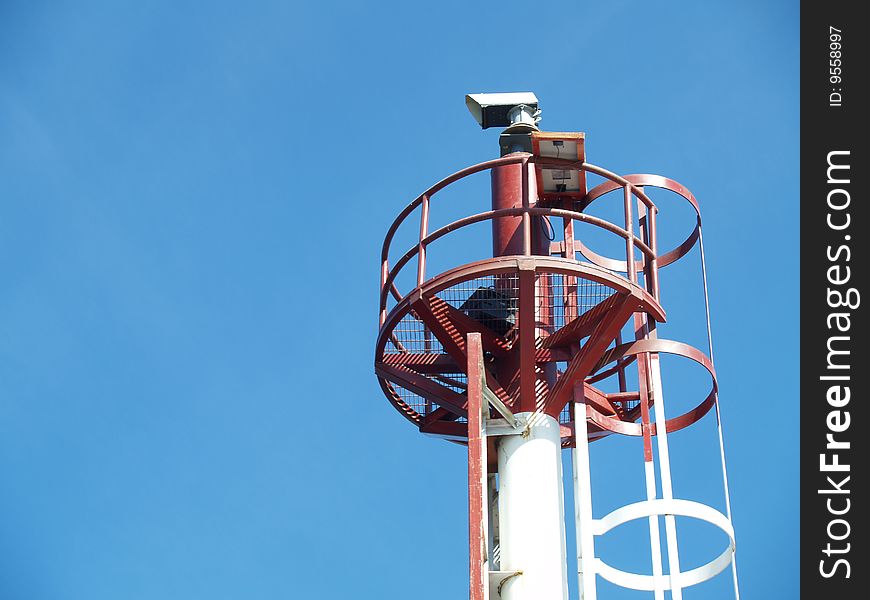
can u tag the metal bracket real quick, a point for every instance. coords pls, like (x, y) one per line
(499, 406)
(526, 264)
(500, 427)
(491, 399)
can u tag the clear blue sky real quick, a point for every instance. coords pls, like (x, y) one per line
(192, 199)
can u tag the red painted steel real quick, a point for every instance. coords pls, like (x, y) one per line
(584, 362)
(477, 493)
(555, 333)
(507, 192)
(513, 188)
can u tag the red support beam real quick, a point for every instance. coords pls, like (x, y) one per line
(423, 362)
(644, 387)
(450, 429)
(492, 343)
(527, 326)
(583, 325)
(597, 399)
(439, 317)
(545, 355)
(582, 364)
(438, 415)
(623, 397)
(477, 492)
(423, 386)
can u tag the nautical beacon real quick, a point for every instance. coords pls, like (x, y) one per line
(548, 345)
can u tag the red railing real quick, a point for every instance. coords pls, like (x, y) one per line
(632, 186)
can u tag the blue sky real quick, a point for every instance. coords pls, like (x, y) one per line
(193, 200)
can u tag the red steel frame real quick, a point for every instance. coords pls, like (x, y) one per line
(590, 343)
(477, 492)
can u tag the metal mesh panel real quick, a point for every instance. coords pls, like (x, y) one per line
(560, 298)
(458, 382)
(422, 406)
(493, 300)
(411, 335)
(630, 404)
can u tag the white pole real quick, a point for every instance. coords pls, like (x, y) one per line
(531, 511)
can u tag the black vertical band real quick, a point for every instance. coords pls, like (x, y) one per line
(834, 365)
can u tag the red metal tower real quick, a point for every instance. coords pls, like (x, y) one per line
(513, 354)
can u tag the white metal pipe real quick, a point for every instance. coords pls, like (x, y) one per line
(654, 534)
(665, 470)
(583, 508)
(531, 511)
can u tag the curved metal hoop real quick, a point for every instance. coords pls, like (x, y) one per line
(660, 507)
(643, 180)
(665, 347)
